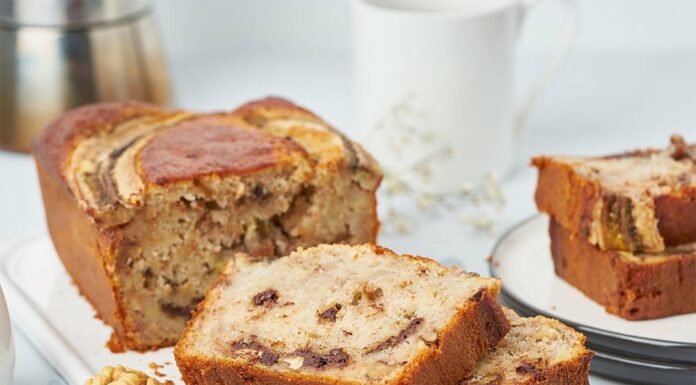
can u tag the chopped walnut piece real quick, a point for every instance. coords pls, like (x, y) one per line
(294, 362)
(429, 336)
(371, 291)
(679, 147)
(120, 375)
(367, 290)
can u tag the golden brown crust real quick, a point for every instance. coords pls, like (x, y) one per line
(570, 199)
(57, 140)
(257, 112)
(84, 250)
(212, 145)
(676, 216)
(575, 372)
(88, 255)
(470, 336)
(273, 107)
(475, 330)
(374, 218)
(631, 289)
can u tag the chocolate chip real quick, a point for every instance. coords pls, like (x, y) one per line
(266, 298)
(477, 297)
(259, 192)
(335, 357)
(338, 357)
(268, 357)
(330, 313)
(392, 341)
(174, 310)
(212, 205)
(529, 369)
(491, 379)
(314, 360)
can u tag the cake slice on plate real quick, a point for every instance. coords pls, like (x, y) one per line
(632, 286)
(623, 227)
(338, 314)
(639, 201)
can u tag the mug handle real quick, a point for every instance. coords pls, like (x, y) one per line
(556, 58)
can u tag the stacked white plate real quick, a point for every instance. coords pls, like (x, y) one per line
(661, 351)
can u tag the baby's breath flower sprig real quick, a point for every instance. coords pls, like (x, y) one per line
(476, 205)
(407, 132)
(399, 222)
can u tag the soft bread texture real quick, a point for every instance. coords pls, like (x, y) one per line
(536, 351)
(632, 286)
(145, 205)
(338, 314)
(641, 201)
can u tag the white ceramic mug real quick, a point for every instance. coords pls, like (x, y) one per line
(434, 85)
(7, 352)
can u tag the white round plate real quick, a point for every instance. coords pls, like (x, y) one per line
(522, 259)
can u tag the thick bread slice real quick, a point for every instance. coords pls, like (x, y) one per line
(636, 201)
(536, 351)
(338, 314)
(632, 286)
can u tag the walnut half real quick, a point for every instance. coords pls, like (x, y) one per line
(121, 376)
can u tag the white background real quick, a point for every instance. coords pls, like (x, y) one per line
(630, 82)
(632, 67)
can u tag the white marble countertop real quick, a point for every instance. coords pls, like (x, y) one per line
(602, 101)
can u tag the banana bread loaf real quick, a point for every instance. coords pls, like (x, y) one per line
(338, 314)
(536, 351)
(632, 286)
(145, 205)
(640, 201)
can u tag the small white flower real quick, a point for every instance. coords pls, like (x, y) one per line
(408, 134)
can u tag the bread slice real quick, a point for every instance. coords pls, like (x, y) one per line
(640, 201)
(536, 351)
(146, 205)
(632, 286)
(337, 314)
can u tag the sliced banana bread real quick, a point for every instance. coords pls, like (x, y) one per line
(145, 205)
(632, 286)
(338, 314)
(536, 351)
(640, 201)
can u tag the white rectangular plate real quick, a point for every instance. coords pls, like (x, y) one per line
(48, 308)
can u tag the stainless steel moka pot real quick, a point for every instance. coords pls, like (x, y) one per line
(58, 54)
